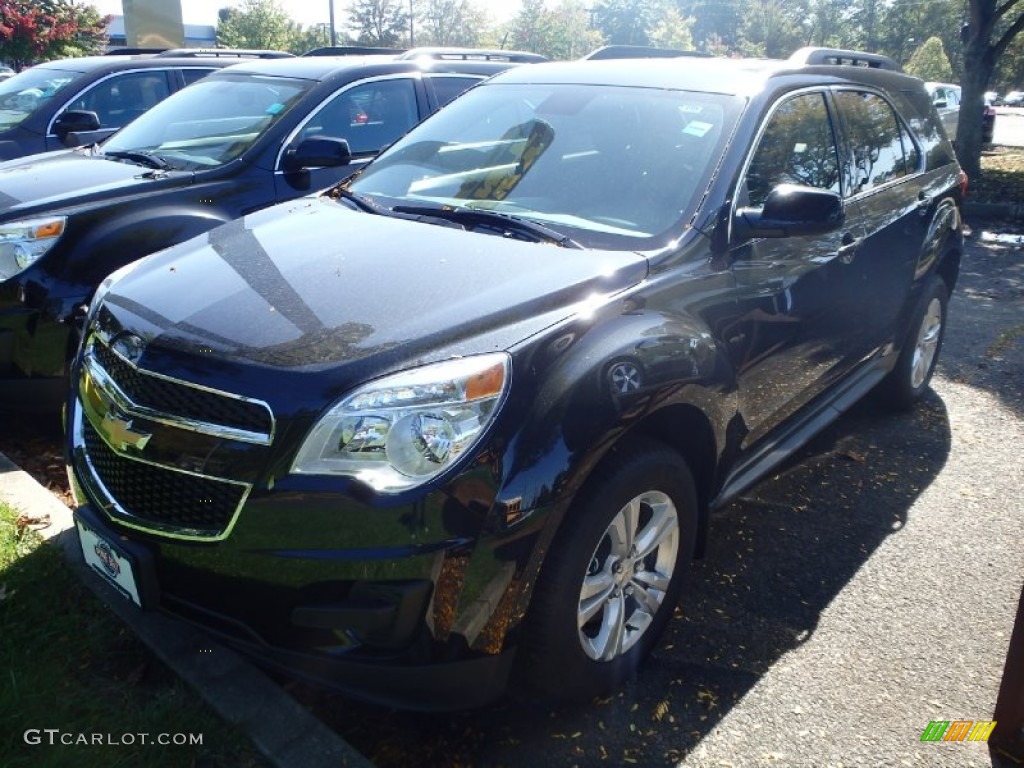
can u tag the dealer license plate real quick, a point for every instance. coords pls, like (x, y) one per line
(107, 560)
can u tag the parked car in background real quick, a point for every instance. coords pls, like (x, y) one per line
(462, 420)
(248, 136)
(947, 99)
(1013, 99)
(988, 123)
(41, 105)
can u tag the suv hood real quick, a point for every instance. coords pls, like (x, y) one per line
(311, 282)
(68, 177)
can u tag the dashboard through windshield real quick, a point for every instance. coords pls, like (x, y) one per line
(612, 167)
(211, 122)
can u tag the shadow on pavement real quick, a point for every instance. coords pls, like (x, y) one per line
(987, 350)
(776, 560)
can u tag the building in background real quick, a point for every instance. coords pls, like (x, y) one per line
(195, 36)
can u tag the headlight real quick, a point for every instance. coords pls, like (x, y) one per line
(402, 430)
(23, 242)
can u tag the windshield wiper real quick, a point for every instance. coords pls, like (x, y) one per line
(147, 159)
(509, 226)
(362, 203)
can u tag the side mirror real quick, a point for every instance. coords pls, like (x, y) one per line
(792, 210)
(75, 121)
(318, 152)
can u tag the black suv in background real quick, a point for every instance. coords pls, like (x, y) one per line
(469, 412)
(42, 105)
(257, 133)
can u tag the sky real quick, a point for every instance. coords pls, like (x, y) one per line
(305, 12)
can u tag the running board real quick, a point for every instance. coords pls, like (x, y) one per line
(760, 463)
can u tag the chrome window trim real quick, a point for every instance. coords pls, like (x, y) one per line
(130, 407)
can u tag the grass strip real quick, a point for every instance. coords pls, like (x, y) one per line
(69, 665)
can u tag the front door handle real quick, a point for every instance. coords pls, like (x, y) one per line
(849, 248)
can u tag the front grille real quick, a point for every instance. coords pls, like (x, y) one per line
(181, 399)
(160, 499)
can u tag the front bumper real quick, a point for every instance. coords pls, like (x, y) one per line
(372, 641)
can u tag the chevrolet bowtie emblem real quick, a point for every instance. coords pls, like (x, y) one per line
(120, 435)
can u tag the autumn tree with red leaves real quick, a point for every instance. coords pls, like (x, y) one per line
(40, 30)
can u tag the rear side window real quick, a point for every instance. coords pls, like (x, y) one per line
(370, 115)
(448, 87)
(797, 147)
(881, 147)
(191, 75)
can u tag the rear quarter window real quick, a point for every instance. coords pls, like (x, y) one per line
(881, 148)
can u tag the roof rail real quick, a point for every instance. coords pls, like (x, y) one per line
(203, 53)
(124, 51)
(640, 52)
(474, 54)
(351, 50)
(840, 57)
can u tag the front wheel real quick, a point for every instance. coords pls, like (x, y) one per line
(613, 576)
(909, 380)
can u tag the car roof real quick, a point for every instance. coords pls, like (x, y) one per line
(324, 67)
(114, 63)
(709, 75)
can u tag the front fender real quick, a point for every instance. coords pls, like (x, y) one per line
(101, 248)
(590, 383)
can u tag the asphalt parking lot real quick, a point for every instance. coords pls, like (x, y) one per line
(862, 592)
(845, 603)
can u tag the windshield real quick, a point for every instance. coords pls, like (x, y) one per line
(210, 122)
(612, 167)
(24, 93)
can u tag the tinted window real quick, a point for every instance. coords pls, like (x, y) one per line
(24, 93)
(797, 147)
(876, 140)
(370, 115)
(213, 121)
(120, 99)
(612, 165)
(191, 75)
(447, 88)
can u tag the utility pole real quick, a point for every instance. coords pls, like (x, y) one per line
(334, 34)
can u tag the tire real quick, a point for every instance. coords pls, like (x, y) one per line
(909, 380)
(601, 601)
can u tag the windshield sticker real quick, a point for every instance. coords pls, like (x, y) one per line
(692, 109)
(273, 109)
(697, 128)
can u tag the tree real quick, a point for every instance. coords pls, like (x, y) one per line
(380, 22)
(450, 22)
(930, 62)
(531, 27)
(770, 30)
(989, 31)
(49, 29)
(257, 24)
(628, 22)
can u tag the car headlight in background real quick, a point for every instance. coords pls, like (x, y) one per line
(405, 429)
(24, 242)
